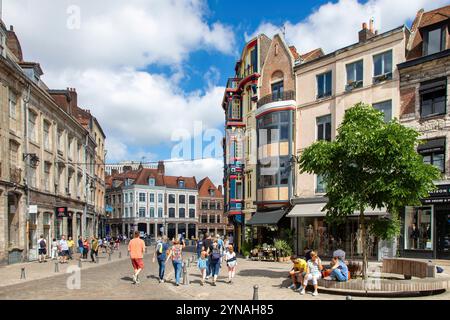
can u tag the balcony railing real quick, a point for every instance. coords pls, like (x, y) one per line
(249, 70)
(274, 97)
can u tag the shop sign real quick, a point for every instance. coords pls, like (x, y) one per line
(62, 212)
(440, 195)
(33, 208)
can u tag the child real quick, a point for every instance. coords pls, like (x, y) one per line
(230, 257)
(202, 265)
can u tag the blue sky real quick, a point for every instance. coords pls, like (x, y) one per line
(150, 68)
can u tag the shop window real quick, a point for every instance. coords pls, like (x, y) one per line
(433, 97)
(386, 108)
(418, 233)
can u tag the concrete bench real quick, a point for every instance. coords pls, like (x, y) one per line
(409, 268)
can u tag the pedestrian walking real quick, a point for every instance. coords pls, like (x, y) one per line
(199, 246)
(70, 244)
(85, 248)
(80, 246)
(94, 249)
(42, 243)
(231, 259)
(176, 253)
(202, 264)
(161, 255)
(313, 272)
(63, 249)
(214, 262)
(207, 245)
(55, 250)
(136, 247)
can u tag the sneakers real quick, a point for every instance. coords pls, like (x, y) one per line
(161, 280)
(315, 293)
(292, 287)
(302, 291)
(137, 280)
(214, 284)
(134, 279)
(300, 288)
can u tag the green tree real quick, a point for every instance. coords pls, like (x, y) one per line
(371, 164)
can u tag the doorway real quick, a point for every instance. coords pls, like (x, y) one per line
(443, 234)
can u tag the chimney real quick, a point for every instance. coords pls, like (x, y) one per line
(365, 33)
(161, 168)
(371, 28)
(73, 103)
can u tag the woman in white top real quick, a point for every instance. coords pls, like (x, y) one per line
(313, 272)
(231, 260)
(54, 254)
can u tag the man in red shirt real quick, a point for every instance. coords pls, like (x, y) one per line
(136, 247)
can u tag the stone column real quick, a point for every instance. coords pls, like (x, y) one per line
(215, 232)
(187, 231)
(3, 226)
(176, 230)
(196, 231)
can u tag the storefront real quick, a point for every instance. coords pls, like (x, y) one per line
(313, 232)
(426, 229)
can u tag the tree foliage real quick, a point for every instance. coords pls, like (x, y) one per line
(371, 164)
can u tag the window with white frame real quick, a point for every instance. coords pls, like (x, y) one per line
(160, 198)
(386, 108)
(382, 66)
(160, 212)
(12, 104)
(141, 212)
(141, 197)
(47, 135)
(32, 128)
(152, 198)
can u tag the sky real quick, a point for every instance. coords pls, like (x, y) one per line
(153, 72)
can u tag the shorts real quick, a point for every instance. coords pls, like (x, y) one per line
(42, 251)
(137, 263)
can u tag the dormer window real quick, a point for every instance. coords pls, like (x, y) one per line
(211, 192)
(181, 184)
(434, 40)
(151, 182)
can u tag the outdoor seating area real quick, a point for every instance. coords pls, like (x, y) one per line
(264, 253)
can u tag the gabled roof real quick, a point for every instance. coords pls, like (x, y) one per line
(314, 54)
(205, 185)
(146, 173)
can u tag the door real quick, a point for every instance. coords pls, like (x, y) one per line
(443, 234)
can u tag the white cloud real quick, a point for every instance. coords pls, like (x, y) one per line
(336, 25)
(212, 168)
(106, 58)
(114, 33)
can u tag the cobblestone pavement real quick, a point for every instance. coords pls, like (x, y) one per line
(112, 280)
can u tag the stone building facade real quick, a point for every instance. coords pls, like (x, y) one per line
(424, 87)
(43, 156)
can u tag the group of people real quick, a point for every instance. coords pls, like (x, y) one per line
(310, 269)
(60, 249)
(211, 252)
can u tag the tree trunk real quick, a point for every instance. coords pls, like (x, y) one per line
(364, 238)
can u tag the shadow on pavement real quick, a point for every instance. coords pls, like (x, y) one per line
(127, 279)
(262, 273)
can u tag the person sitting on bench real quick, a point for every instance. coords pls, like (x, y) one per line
(339, 270)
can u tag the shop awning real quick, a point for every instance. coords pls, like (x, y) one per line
(266, 218)
(315, 210)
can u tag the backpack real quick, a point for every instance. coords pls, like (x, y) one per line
(42, 244)
(159, 248)
(215, 255)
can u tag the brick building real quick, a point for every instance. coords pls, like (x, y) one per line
(424, 106)
(210, 209)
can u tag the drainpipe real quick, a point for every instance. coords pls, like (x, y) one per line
(27, 172)
(83, 219)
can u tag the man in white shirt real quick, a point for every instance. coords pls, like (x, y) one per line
(64, 247)
(42, 248)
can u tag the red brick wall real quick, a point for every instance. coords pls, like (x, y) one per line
(408, 101)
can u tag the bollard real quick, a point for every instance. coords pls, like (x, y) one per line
(79, 264)
(56, 266)
(109, 256)
(185, 274)
(22, 273)
(255, 292)
(348, 298)
(120, 254)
